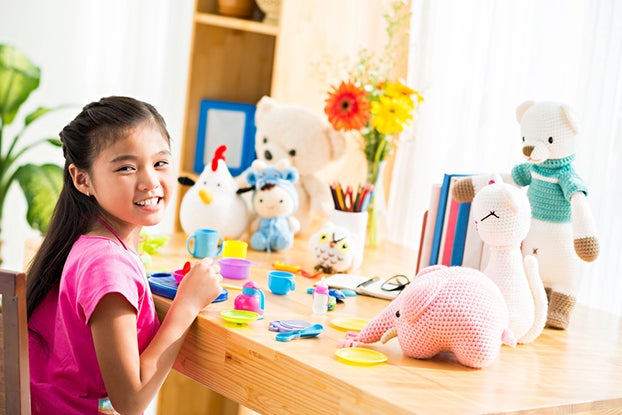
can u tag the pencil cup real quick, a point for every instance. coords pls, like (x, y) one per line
(356, 224)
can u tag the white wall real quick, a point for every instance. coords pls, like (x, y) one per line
(88, 49)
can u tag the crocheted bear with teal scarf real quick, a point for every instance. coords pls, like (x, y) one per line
(562, 230)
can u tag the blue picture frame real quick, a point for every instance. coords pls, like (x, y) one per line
(228, 123)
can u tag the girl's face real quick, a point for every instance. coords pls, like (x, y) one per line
(132, 179)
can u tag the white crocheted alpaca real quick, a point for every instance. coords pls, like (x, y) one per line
(503, 217)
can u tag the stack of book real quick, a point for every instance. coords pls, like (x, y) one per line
(448, 234)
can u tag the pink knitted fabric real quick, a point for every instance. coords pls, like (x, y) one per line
(456, 309)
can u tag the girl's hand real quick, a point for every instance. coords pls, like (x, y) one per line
(201, 285)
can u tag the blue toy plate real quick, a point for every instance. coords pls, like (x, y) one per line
(165, 285)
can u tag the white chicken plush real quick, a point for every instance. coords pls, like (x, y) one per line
(213, 201)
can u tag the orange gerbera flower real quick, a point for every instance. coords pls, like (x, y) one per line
(347, 107)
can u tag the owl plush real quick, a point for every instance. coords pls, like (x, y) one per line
(334, 249)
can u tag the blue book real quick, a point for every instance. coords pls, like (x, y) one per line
(462, 225)
(440, 218)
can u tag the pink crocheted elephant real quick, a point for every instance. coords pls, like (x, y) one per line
(455, 309)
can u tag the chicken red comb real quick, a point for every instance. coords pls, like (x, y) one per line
(219, 154)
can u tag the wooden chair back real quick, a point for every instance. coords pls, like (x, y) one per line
(14, 372)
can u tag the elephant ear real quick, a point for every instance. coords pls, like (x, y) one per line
(418, 296)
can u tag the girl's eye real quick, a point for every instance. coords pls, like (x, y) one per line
(161, 163)
(125, 169)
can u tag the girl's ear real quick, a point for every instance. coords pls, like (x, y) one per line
(80, 179)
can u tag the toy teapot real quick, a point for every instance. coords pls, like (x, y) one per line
(251, 299)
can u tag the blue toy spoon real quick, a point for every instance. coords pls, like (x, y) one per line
(310, 331)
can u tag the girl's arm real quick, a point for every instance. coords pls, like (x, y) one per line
(132, 380)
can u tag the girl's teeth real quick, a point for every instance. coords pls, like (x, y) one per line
(149, 202)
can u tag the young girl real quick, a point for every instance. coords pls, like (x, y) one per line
(94, 337)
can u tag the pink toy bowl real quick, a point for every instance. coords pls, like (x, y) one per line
(179, 275)
(234, 268)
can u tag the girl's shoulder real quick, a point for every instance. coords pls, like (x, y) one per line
(89, 250)
(94, 242)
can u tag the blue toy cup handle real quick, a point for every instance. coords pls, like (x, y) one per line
(292, 285)
(190, 238)
(221, 244)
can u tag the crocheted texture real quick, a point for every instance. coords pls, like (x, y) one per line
(551, 184)
(588, 246)
(562, 228)
(560, 310)
(502, 217)
(456, 309)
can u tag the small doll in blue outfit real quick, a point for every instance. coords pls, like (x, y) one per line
(274, 200)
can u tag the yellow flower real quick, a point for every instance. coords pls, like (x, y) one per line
(398, 89)
(390, 115)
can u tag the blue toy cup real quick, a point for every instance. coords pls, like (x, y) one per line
(281, 282)
(205, 243)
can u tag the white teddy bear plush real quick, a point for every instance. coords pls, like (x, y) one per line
(562, 228)
(308, 141)
(502, 215)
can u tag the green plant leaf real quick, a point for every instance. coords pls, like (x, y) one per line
(18, 78)
(36, 114)
(41, 185)
(55, 142)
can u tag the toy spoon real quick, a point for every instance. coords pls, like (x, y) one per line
(310, 331)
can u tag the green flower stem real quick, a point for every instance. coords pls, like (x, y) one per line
(373, 176)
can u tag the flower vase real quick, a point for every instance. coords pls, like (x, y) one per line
(377, 205)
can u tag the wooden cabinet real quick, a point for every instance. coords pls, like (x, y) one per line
(296, 61)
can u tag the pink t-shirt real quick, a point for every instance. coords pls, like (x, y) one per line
(64, 373)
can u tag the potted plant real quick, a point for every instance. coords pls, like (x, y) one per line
(41, 184)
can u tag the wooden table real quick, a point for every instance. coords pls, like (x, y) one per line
(578, 370)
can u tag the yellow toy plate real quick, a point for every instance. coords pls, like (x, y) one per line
(239, 316)
(360, 356)
(349, 323)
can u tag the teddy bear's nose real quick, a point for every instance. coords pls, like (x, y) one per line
(527, 150)
(267, 155)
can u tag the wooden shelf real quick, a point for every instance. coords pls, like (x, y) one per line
(236, 24)
(241, 60)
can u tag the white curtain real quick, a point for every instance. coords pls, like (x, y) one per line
(88, 49)
(475, 62)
